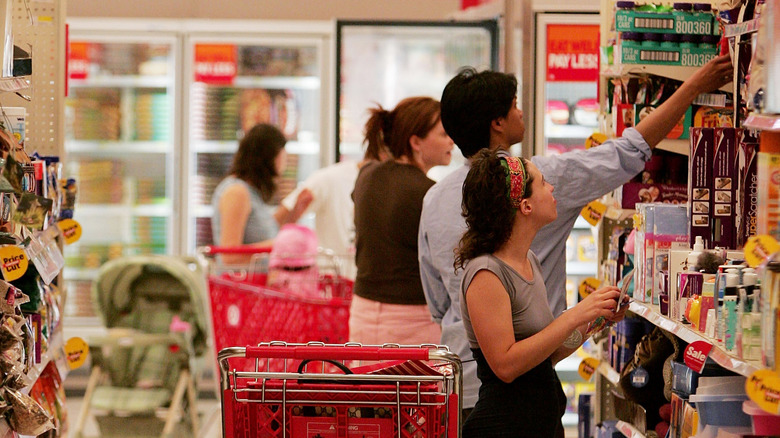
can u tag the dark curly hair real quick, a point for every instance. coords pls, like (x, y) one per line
(255, 160)
(486, 207)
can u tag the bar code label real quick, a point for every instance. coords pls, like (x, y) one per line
(710, 99)
(653, 23)
(658, 56)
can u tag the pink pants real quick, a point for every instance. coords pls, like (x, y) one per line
(372, 322)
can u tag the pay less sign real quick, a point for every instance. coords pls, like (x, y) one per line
(572, 52)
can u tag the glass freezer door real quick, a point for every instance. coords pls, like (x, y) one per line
(120, 144)
(385, 62)
(234, 84)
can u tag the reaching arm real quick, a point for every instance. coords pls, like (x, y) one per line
(711, 76)
(283, 215)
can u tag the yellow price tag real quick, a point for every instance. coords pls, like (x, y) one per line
(588, 367)
(76, 351)
(70, 229)
(13, 262)
(763, 387)
(588, 285)
(595, 139)
(593, 212)
(759, 248)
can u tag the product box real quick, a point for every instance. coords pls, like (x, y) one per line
(768, 194)
(643, 247)
(723, 188)
(678, 263)
(632, 52)
(680, 130)
(690, 284)
(666, 22)
(622, 117)
(670, 231)
(747, 186)
(699, 184)
(633, 193)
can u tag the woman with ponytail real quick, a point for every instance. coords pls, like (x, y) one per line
(388, 303)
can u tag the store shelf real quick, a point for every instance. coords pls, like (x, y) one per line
(570, 419)
(553, 131)
(14, 84)
(79, 274)
(278, 82)
(581, 268)
(570, 364)
(608, 372)
(202, 211)
(717, 354)
(628, 430)
(675, 72)
(231, 146)
(677, 146)
(122, 82)
(764, 122)
(152, 210)
(54, 353)
(100, 147)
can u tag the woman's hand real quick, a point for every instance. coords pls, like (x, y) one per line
(601, 302)
(711, 76)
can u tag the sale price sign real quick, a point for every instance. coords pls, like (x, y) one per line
(572, 52)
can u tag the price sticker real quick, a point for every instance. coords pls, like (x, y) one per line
(76, 351)
(593, 212)
(588, 367)
(70, 229)
(588, 285)
(763, 387)
(760, 248)
(13, 262)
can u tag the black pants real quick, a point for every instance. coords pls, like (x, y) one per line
(529, 407)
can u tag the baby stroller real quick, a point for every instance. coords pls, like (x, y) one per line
(153, 309)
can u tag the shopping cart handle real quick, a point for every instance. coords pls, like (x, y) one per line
(337, 353)
(235, 249)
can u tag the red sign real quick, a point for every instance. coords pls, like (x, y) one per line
(215, 63)
(572, 52)
(78, 60)
(696, 354)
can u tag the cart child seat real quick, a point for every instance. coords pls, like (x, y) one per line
(153, 309)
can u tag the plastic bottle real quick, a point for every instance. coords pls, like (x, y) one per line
(693, 256)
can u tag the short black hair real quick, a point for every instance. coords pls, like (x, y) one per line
(469, 104)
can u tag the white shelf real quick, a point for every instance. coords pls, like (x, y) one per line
(581, 268)
(278, 82)
(717, 354)
(571, 363)
(79, 274)
(202, 211)
(629, 430)
(117, 147)
(231, 146)
(675, 72)
(122, 82)
(681, 147)
(153, 210)
(553, 131)
(608, 372)
(764, 122)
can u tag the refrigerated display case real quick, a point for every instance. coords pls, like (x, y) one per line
(121, 143)
(235, 82)
(382, 62)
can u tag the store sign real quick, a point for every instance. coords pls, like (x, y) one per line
(588, 367)
(215, 63)
(572, 52)
(78, 60)
(763, 387)
(696, 355)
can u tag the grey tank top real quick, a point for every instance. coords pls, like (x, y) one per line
(530, 310)
(260, 225)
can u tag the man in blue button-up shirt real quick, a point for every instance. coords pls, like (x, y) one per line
(480, 110)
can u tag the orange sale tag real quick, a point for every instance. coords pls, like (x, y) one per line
(588, 285)
(13, 262)
(595, 139)
(593, 212)
(763, 387)
(70, 229)
(76, 351)
(588, 367)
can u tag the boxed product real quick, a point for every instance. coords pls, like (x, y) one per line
(768, 194)
(622, 117)
(723, 188)
(634, 192)
(643, 247)
(680, 130)
(633, 52)
(670, 231)
(699, 180)
(747, 186)
(667, 22)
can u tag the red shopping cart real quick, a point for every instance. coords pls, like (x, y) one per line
(412, 392)
(246, 310)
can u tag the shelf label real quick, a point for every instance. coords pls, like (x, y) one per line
(763, 387)
(593, 212)
(588, 367)
(572, 52)
(70, 229)
(215, 63)
(13, 262)
(76, 351)
(760, 248)
(588, 285)
(696, 355)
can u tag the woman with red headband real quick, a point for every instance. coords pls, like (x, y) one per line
(511, 330)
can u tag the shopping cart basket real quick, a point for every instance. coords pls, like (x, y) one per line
(245, 310)
(422, 402)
